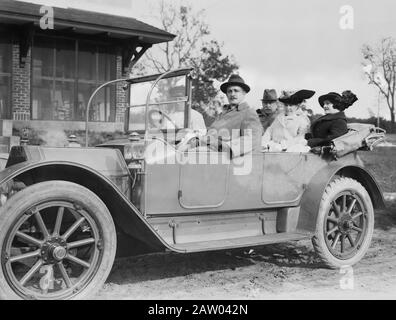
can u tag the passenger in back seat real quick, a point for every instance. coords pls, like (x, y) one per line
(271, 108)
(334, 123)
(287, 132)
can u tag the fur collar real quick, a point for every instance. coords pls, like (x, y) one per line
(335, 116)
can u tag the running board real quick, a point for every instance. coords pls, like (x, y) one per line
(238, 242)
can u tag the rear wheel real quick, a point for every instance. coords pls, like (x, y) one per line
(345, 223)
(57, 241)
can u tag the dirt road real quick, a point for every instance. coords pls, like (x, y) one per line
(283, 271)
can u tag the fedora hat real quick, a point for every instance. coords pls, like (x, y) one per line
(295, 97)
(340, 102)
(234, 80)
(269, 95)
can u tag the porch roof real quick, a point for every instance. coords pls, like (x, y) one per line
(83, 22)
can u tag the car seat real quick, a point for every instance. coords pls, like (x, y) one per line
(360, 136)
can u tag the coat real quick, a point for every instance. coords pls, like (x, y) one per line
(240, 127)
(266, 119)
(327, 128)
(286, 129)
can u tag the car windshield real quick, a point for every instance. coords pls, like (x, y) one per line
(167, 106)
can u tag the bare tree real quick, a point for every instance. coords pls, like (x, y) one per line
(192, 47)
(190, 30)
(380, 68)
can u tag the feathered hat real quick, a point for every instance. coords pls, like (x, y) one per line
(339, 101)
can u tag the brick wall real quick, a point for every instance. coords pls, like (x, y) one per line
(121, 94)
(20, 85)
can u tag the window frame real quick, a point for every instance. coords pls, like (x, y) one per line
(100, 47)
(7, 40)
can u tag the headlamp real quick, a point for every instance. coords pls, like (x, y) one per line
(128, 152)
(134, 151)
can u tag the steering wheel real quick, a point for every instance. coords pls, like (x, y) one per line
(163, 115)
(187, 141)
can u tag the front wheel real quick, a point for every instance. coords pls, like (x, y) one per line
(345, 223)
(57, 241)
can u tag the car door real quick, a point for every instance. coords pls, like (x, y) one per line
(283, 178)
(203, 180)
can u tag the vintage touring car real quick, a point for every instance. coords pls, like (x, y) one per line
(66, 211)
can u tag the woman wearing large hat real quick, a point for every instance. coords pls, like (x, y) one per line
(287, 132)
(334, 123)
(296, 97)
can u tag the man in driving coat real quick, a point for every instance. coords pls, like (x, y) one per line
(237, 125)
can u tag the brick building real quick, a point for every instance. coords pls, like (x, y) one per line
(47, 76)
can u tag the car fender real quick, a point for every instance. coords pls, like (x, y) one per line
(312, 196)
(125, 215)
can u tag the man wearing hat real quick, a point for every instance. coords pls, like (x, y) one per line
(270, 108)
(238, 125)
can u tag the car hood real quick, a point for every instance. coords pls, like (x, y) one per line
(105, 160)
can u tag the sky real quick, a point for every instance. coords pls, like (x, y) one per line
(285, 44)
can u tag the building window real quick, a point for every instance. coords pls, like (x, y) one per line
(96, 66)
(65, 74)
(5, 78)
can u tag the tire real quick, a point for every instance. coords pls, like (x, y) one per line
(57, 241)
(343, 229)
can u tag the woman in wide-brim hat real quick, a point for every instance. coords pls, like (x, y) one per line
(294, 104)
(288, 130)
(334, 123)
(295, 97)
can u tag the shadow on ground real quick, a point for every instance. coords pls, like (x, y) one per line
(156, 266)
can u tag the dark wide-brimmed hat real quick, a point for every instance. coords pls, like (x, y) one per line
(269, 95)
(235, 80)
(340, 102)
(296, 97)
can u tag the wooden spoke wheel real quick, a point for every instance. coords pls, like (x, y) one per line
(345, 223)
(57, 241)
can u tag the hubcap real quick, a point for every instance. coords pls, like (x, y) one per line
(345, 224)
(348, 224)
(59, 253)
(54, 250)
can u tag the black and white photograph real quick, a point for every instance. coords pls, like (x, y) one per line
(212, 152)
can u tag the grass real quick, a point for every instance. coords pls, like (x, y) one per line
(382, 163)
(391, 138)
(386, 219)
